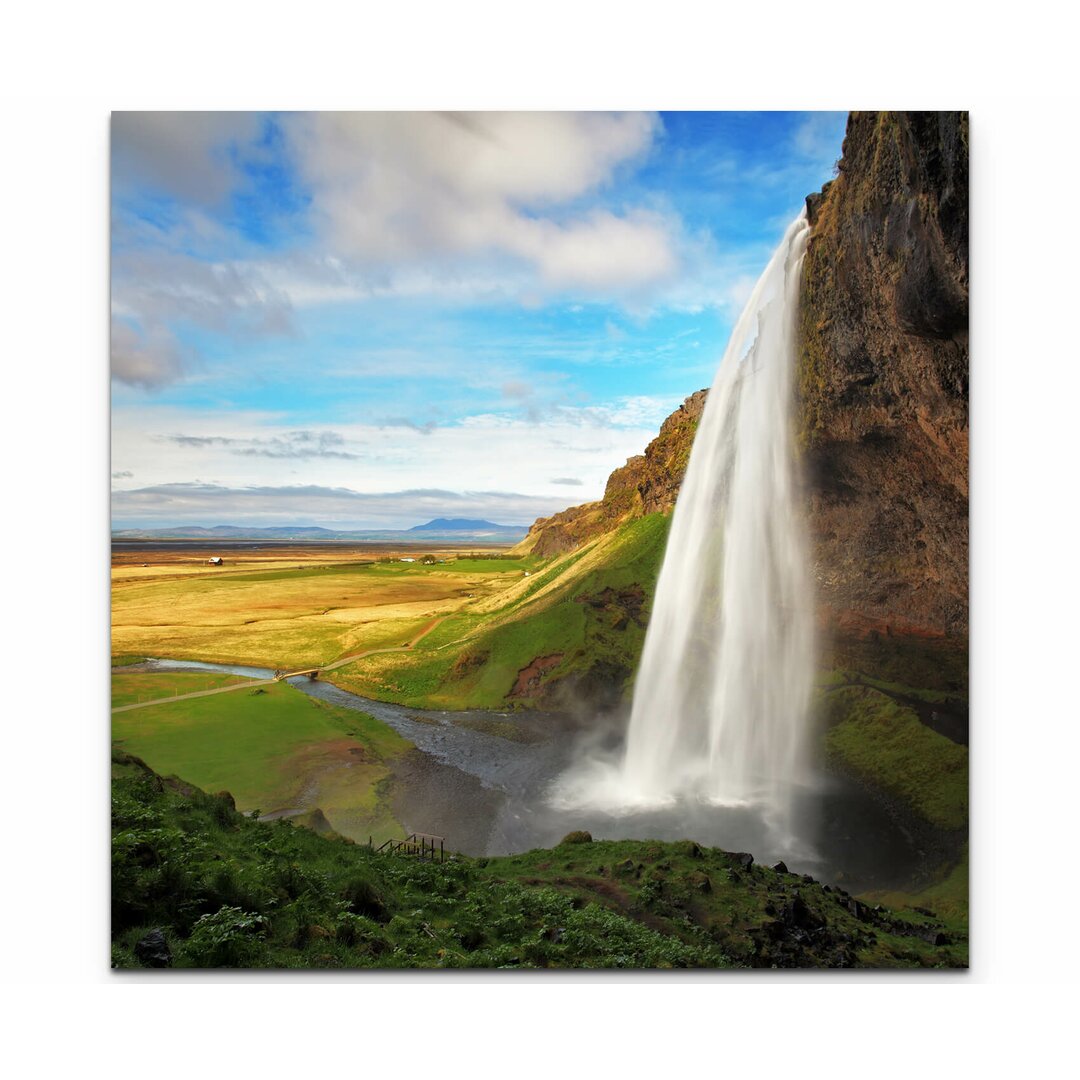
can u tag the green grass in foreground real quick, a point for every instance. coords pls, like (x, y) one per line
(884, 743)
(226, 891)
(148, 685)
(273, 747)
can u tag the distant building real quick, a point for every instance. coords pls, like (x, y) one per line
(215, 560)
(406, 560)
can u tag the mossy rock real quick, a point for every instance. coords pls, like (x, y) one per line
(578, 836)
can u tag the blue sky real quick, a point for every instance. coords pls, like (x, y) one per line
(366, 320)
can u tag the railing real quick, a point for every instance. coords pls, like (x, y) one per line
(311, 673)
(420, 844)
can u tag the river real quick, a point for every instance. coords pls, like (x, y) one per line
(482, 779)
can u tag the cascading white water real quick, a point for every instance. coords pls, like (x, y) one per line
(721, 696)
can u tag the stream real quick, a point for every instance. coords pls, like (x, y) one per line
(482, 779)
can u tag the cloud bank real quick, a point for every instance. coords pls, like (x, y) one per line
(385, 204)
(310, 504)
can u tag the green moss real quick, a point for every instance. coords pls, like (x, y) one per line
(884, 743)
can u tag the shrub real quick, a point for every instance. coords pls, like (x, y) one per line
(363, 899)
(228, 938)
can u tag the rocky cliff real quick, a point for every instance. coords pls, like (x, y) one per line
(882, 411)
(883, 378)
(646, 484)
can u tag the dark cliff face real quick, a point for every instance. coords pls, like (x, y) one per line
(884, 375)
(646, 484)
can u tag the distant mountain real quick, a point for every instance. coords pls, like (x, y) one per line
(450, 529)
(469, 525)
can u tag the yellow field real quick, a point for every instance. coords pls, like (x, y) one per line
(307, 609)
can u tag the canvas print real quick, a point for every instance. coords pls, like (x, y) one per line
(539, 540)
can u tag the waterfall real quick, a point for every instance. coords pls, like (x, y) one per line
(721, 696)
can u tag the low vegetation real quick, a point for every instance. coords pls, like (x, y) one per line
(275, 749)
(510, 630)
(588, 608)
(884, 743)
(292, 617)
(131, 687)
(196, 884)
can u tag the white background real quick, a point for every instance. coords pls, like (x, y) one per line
(65, 67)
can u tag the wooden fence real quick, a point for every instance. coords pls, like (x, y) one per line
(423, 845)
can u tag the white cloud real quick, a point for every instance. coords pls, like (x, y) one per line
(200, 504)
(184, 154)
(392, 188)
(496, 453)
(460, 206)
(141, 358)
(815, 137)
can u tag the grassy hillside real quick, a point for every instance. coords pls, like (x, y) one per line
(274, 749)
(574, 625)
(884, 743)
(196, 884)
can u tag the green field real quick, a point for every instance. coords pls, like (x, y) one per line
(134, 686)
(273, 748)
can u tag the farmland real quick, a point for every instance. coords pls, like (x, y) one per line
(292, 608)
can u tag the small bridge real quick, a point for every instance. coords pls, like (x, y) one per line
(419, 844)
(311, 673)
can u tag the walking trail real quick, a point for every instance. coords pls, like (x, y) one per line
(266, 682)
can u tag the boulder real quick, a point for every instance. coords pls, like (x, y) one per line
(153, 950)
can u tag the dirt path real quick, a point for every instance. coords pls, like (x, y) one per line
(266, 682)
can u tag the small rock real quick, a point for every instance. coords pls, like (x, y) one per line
(781, 867)
(859, 910)
(799, 914)
(932, 935)
(153, 950)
